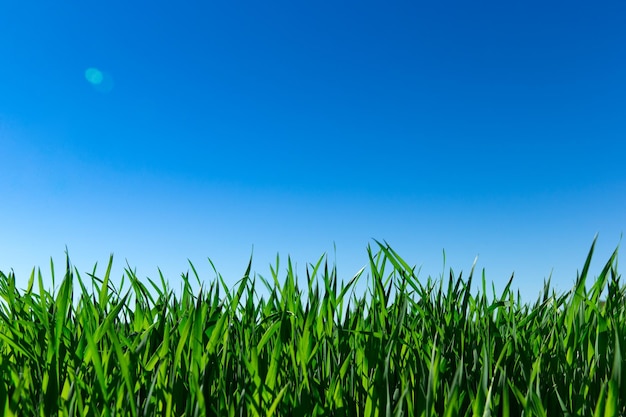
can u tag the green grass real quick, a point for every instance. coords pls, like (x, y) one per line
(403, 348)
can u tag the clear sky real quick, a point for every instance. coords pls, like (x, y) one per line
(163, 131)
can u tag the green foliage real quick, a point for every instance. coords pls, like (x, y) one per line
(405, 348)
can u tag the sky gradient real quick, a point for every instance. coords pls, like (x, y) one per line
(167, 131)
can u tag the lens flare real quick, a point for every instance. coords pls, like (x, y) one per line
(94, 76)
(101, 81)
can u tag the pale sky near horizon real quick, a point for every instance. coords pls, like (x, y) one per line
(168, 131)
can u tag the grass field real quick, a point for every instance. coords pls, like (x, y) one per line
(404, 347)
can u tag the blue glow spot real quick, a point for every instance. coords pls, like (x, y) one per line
(94, 76)
(101, 81)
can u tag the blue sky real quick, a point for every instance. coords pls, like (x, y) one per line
(490, 129)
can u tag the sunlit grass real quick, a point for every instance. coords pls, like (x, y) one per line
(404, 347)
